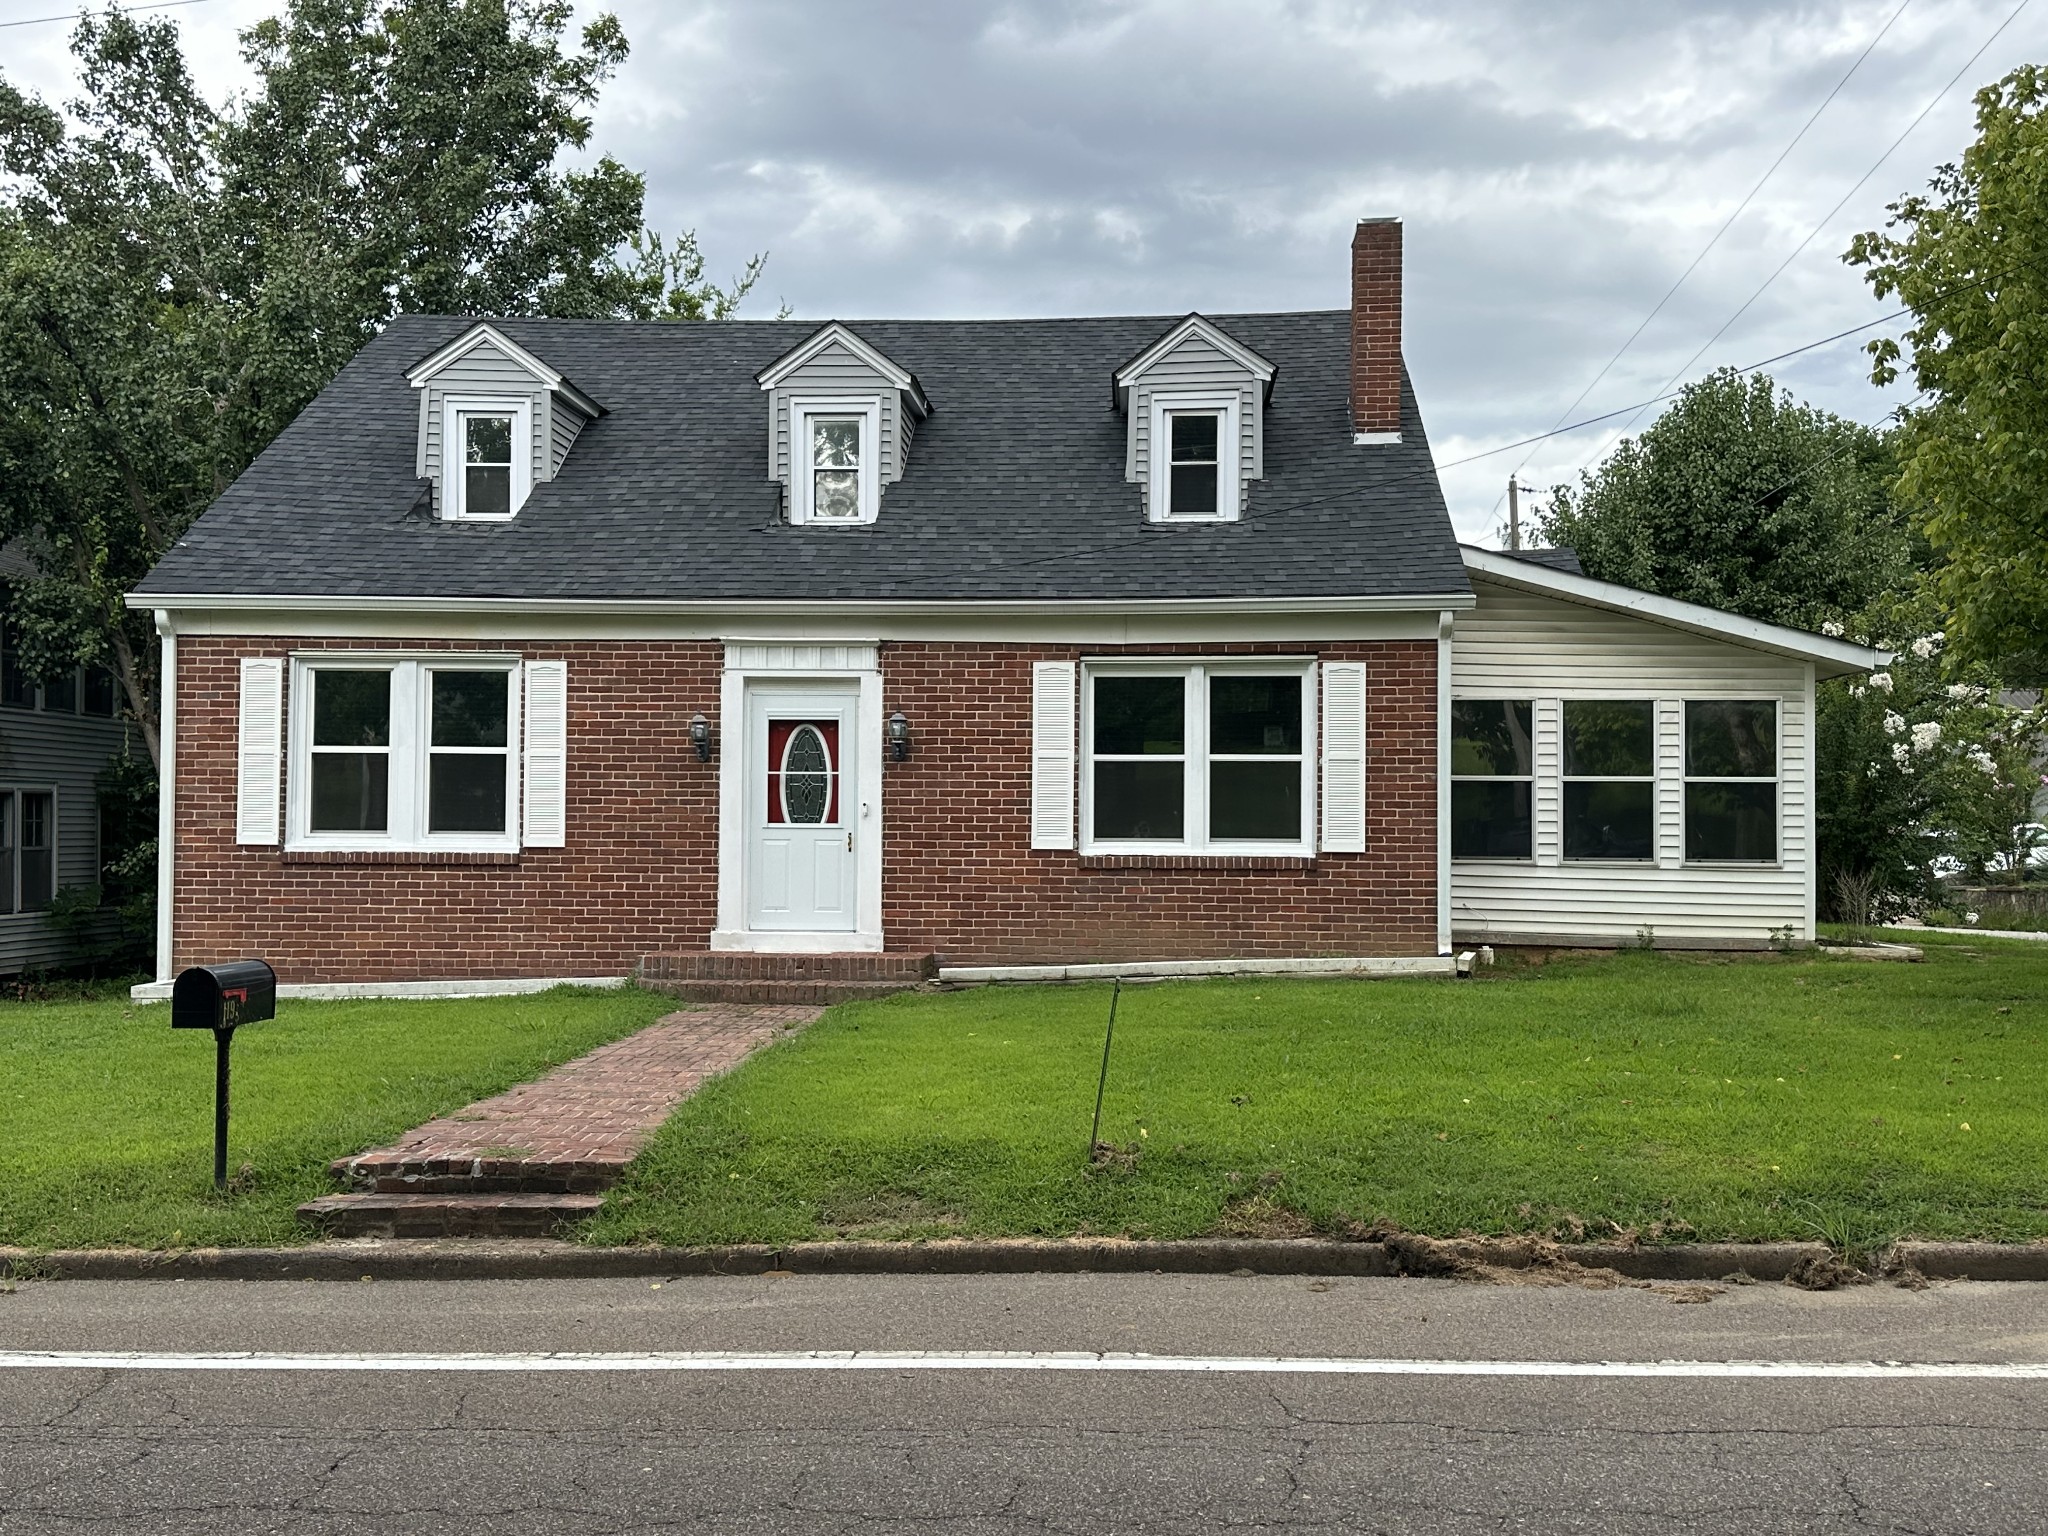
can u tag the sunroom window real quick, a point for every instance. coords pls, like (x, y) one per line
(1198, 758)
(405, 754)
(1731, 780)
(1610, 779)
(1492, 774)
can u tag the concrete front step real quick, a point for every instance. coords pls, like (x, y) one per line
(748, 976)
(448, 1215)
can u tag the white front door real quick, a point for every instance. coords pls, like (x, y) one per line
(802, 808)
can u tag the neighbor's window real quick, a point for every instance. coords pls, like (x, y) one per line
(1610, 779)
(406, 754)
(28, 849)
(1204, 757)
(835, 468)
(486, 464)
(1731, 780)
(1194, 468)
(60, 691)
(101, 691)
(1492, 770)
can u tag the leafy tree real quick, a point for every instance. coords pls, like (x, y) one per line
(1741, 498)
(177, 281)
(1971, 261)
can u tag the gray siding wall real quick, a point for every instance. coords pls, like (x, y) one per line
(566, 423)
(1521, 645)
(836, 371)
(484, 370)
(1195, 366)
(63, 753)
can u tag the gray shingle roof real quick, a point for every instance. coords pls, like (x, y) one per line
(1015, 486)
(1561, 558)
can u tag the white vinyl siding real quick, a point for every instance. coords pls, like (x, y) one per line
(835, 372)
(1053, 691)
(1517, 644)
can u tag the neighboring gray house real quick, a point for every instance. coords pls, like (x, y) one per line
(56, 734)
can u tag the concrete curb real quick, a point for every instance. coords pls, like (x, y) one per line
(415, 1259)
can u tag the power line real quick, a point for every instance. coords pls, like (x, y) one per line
(1828, 217)
(37, 21)
(1729, 221)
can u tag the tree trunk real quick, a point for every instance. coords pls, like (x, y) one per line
(141, 706)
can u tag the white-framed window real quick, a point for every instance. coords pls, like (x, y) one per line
(487, 457)
(415, 752)
(28, 849)
(1610, 780)
(835, 448)
(1493, 777)
(1207, 757)
(1731, 781)
(1194, 458)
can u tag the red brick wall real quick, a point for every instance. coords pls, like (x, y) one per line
(640, 872)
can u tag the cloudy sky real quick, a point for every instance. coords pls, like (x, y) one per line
(1558, 166)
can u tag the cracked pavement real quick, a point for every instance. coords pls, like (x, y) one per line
(886, 1452)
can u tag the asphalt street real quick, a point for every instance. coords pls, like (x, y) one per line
(754, 1447)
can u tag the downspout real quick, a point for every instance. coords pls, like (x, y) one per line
(166, 795)
(1443, 781)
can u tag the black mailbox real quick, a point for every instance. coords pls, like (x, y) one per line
(223, 996)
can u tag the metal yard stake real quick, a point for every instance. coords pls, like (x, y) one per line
(1095, 1132)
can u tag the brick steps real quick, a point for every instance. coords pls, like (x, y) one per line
(376, 1174)
(449, 1215)
(746, 976)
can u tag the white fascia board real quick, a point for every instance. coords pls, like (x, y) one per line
(834, 331)
(1832, 657)
(482, 332)
(1196, 325)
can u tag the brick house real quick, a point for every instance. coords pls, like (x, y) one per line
(535, 648)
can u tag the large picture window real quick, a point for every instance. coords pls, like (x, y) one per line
(1492, 771)
(1731, 780)
(1208, 757)
(28, 849)
(1610, 779)
(405, 753)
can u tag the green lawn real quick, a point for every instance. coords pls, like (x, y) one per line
(1766, 1097)
(106, 1114)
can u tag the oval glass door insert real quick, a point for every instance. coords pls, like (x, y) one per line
(806, 776)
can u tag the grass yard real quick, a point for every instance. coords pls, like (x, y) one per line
(1771, 1096)
(106, 1115)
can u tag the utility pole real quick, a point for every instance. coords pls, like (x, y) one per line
(1514, 511)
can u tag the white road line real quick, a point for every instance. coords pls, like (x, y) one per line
(1020, 1360)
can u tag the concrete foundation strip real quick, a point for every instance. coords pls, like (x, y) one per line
(415, 1259)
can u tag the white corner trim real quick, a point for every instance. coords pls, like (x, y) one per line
(826, 335)
(401, 991)
(1838, 656)
(167, 792)
(1196, 325)
(1374, 439)
(1130, 970)
(1446, 627)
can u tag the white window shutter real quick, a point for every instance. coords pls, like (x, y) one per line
(1052, 754)
(259, 749)
(1343, 757)
(546, 797)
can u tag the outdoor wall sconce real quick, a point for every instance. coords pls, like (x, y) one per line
(700, 737)
(899, 736)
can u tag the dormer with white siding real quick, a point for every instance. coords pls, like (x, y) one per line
(1199, 396)
(495, 421)
(840, 419)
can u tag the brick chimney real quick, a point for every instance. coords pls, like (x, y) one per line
(1376, 330)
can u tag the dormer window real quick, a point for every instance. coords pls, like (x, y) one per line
(836, 456)
(1196, 478)
(489, 449)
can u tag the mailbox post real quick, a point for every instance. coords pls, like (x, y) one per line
(219, 998)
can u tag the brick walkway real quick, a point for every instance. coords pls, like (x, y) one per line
(579, 1126)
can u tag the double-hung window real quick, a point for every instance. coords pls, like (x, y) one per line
(487, 468)
(1610, 779)
(835, 446)
(1492, 774)
(1205, 758)
(28, 849)
(1731, 780)
(1194, 458)
(412, 753)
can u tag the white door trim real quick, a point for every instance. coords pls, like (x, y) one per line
(798, 662)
